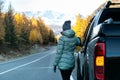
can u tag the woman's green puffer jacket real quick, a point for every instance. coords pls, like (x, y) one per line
(65, 50)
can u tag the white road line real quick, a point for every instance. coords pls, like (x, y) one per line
(1, 73)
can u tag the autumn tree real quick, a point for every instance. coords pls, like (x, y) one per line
(44, 31)
(18, 26)
(51, 36)
(25, 31)
(2, 28)
(35, 35)
(40, 32)
(10, 36)
(80, 26)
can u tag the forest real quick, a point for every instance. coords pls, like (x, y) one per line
(19, 32)
(17, 29)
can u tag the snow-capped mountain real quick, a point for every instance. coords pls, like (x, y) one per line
(51, 17)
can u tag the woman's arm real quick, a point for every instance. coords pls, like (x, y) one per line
(60, 47)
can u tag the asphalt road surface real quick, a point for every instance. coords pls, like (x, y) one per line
(37, 66)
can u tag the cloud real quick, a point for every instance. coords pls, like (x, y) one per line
(66, 6)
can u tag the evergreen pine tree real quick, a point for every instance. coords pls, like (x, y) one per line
(10, 36)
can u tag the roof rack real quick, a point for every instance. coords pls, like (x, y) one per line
(107, 5)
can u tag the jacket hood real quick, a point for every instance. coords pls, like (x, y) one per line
(68, 33)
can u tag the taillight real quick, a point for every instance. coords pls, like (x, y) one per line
(99, 56)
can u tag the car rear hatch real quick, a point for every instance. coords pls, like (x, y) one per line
(111, 66)
(112, 61)
(111, 32)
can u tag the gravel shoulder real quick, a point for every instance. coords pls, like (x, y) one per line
(10, 54)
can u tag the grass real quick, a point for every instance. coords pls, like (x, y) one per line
(9, 53)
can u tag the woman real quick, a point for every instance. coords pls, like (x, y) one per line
(65, 59)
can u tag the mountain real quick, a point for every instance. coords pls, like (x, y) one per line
(51, 17)
(56, 29)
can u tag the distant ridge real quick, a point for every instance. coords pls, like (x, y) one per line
(51, 17)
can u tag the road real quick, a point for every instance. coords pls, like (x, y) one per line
(37, 66)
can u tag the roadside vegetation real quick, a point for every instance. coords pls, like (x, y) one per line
(19, 34)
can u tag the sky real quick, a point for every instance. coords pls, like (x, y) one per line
(70, 8)
(84, 7)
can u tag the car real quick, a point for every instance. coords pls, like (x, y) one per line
(99, 58)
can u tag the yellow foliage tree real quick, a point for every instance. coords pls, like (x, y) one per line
(18, 24)
(80, 27)
(2, 28)
(25, 29)
(35, 36)
(34, 22)
(44, 30)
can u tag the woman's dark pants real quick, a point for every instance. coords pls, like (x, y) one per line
(66, 74)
